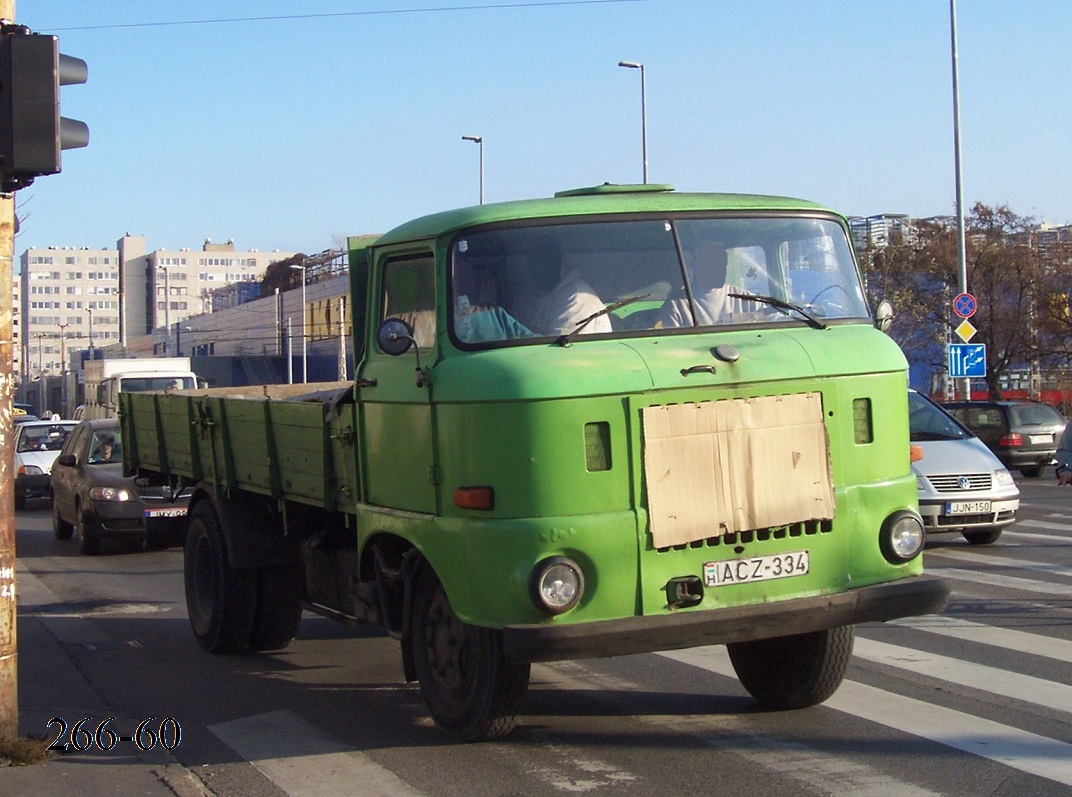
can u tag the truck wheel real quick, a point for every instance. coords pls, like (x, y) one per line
(471, 690)
(983, 536)
(88, 535)
(220, 600)
(279, 592)
(20, 501)
(61, 529)
(793, 671)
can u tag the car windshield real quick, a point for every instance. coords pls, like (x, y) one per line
(928, 421)
(43, 438)
(105, 447)
(651, 274)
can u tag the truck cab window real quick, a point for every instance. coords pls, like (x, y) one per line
(409, 294)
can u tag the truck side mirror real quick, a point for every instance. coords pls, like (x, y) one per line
(884, 316)
(395, 337)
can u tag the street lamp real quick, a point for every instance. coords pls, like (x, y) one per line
(480, 142)
(304, 333)
(643, 112)
(89, 310)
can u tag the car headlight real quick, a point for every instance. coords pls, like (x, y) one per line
(30, 470)
(901, 538)
(557, 584)
(110, 494)
(1003, 478)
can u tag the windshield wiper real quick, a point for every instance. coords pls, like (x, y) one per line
(782, 305)
(566, 337)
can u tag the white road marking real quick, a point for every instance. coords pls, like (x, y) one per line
(1037, 691)
(1026, 752)
(1054, 590)
(989, 560)
(1020, 641)
(304, 762)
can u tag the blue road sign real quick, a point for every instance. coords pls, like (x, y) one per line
(967, 359)
(964, 305)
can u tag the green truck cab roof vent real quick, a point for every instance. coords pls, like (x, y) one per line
(612, 188)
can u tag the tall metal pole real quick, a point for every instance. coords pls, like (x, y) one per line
(962, 258)
(9, 689)
(643, 112)
(480, 142)
(304, 331)
(290, 356)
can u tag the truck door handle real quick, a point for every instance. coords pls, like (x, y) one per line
(698, 369)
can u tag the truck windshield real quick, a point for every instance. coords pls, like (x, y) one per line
(141, 384)
(621, 277)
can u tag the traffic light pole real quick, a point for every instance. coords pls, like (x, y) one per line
(9, 684)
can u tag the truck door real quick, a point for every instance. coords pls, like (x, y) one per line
(394, 404)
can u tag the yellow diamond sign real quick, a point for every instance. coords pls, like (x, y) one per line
(965, 331)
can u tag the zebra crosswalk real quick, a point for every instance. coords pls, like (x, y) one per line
(985, 704)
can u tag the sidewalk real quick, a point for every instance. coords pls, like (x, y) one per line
(50, 685)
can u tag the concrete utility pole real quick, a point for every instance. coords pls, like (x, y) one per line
(9, 685)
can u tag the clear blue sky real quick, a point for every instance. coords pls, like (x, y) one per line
(340, 117)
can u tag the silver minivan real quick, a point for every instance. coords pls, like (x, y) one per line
(963, 487)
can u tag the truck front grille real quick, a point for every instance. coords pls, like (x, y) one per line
(804, 529)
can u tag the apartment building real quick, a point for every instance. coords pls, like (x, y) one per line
(83, 298)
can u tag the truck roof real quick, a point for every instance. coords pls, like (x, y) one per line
(596, 200)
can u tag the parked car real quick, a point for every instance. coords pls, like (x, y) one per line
(91, 495)
(1022, 434)
(37, 444)
(963, 487)
(25, 409)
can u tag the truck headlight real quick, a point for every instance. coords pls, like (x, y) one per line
(557, 584)
(901, 538)
(29, 470)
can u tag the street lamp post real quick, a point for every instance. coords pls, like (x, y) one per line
(304, 331)
(643, 112)
(89, 311)
(479, 140)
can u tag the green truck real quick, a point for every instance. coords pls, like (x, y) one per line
(618, 420)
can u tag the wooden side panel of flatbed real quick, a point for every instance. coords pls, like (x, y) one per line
(293, 442)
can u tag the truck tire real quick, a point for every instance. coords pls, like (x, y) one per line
(278, 614)
(221, 600)
(796, 671)
(472, 691)
(61, 529)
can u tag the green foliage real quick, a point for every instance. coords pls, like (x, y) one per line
(1018, 284)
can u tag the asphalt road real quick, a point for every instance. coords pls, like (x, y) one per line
(977, 701)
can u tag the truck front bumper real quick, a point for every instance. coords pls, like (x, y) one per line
(686, 629)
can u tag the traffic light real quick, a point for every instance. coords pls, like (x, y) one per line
(32, 132)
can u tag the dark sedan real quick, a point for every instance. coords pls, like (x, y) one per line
(91, 495)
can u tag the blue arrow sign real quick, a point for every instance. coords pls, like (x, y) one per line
(967, 359)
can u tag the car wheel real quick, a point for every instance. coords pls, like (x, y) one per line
(20, 501)
(88, 533)
(1031, 473)
(983, 537)
(60, 527)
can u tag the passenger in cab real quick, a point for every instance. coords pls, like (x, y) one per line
(712, 303)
